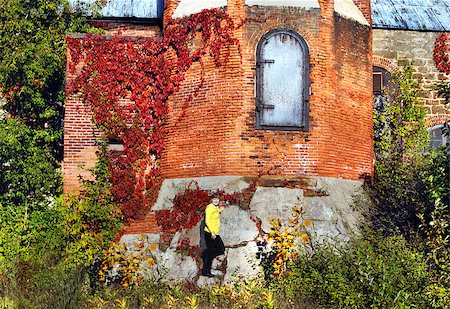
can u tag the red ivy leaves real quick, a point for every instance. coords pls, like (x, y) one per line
(188, 208)
(127, 82)
(441, 53)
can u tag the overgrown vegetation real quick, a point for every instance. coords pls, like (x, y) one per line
(58, 251)
(398, 192)
(410, 192)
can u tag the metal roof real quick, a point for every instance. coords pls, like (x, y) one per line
(140, 9)
(419, 15)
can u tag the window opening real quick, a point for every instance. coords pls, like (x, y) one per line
(437, 137)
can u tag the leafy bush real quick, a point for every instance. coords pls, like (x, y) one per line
(91, 220)
(375, 273)
(47, 247)
(410, 192)
(398, 192)
(435, 231)
(278, 250)
(32, 63)
(29, 181)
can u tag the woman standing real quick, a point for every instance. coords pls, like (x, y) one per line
(214, 243)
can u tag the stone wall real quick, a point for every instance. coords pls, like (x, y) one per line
(327, 202)
(396, 48)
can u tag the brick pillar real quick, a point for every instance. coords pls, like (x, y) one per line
(324, 88)
(169, 8)
(79, 139)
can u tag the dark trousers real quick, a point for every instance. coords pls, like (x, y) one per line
(214, 247)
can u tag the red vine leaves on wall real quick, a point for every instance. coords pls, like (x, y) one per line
(127, 81)
(441, 53)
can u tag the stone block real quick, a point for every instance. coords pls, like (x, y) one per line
(274, 203)
(171, 187)
(242, 263)
(236, 226)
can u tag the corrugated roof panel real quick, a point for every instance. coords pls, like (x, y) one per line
(428, 19)
(443, 16)
(426, 15)
(127, 8)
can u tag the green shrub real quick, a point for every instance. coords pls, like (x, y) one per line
(29, 180)
(46, 246)
(91, 219)
(398, 191)
(435, 229)
(376, 273)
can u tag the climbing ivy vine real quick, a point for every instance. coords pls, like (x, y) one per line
(127, 82)
(441, 57)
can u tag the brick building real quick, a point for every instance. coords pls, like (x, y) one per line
(296, 100)
(227, 132)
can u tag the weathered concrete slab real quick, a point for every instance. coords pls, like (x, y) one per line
(237, 227)
(172, 187)
(273, 203)
(327, 203)
(332, 216)
(241, 263)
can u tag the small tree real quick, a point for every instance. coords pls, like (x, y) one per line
(32, 63)
(398, 191)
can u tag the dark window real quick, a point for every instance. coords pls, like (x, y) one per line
(382, 88)
(381, 81)
(377, 82)
(282, 75)
(437, 137)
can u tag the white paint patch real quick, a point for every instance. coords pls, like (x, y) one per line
(307, 4)
(348, 9)
(188, 7)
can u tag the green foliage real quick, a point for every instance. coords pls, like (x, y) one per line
(399, 191)
(399, 125)
(32, 63)
(435, 225)
(91, 219)
(39, 283)
(371, 272)
(410, 193)
(48, 271)
(29, 181)
(243, 294)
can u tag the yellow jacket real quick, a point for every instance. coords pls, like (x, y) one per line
(212, 219)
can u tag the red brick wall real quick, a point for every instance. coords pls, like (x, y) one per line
(79, 134)
(353, 140)
(217, 135)
(364, 7)
(169, 8)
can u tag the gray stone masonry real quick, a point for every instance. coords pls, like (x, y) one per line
(414, 47)
(333, 220)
